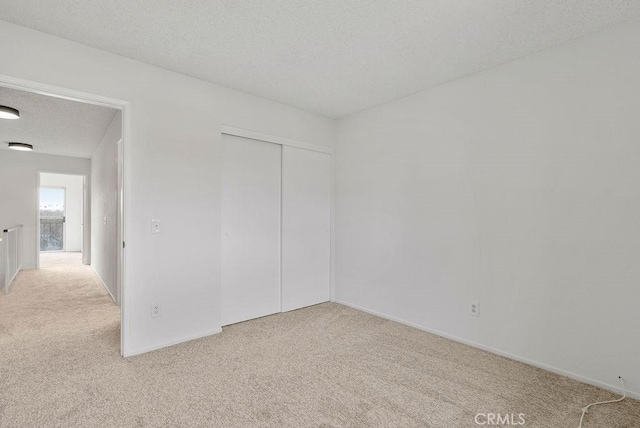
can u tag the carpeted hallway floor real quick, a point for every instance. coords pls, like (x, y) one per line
(326, 365)
(60, 260)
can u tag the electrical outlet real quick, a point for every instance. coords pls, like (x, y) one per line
(474, 309)
(155, 310)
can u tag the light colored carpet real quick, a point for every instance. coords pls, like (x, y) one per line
(326, 365)
(60, 259)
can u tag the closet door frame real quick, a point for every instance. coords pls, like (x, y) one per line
(254, 135)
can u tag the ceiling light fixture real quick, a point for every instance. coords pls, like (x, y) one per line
(9, 113)
(23, 147)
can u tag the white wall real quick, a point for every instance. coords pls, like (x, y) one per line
(175, 171)
(73, 206)
(518, 187)
(104, 188)
(19, 191)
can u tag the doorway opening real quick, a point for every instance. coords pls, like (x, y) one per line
(76, 136)
(61, 219)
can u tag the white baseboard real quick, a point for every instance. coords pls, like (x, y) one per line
(146, 349)
(104, 284)
(571, 375)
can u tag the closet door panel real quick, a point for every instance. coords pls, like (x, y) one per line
(251, 187)
(306, 223)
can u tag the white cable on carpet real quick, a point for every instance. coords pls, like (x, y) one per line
(586, 408)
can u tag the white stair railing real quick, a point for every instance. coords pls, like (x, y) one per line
(11, 255)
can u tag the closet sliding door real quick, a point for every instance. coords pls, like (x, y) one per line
(251, 187)
(306, 225)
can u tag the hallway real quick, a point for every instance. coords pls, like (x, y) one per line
(64, 299)
(58, 324)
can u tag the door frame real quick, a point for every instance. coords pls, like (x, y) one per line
(64, 221)
(85, 214)
(124, 106)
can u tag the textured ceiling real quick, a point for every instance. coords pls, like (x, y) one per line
(332, 57)
(53, 125)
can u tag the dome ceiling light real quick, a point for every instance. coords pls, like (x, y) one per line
(23, 147)
(9, 113)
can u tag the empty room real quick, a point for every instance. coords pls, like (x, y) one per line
(320, 214)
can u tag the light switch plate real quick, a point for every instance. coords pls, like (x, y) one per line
(155, 226)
